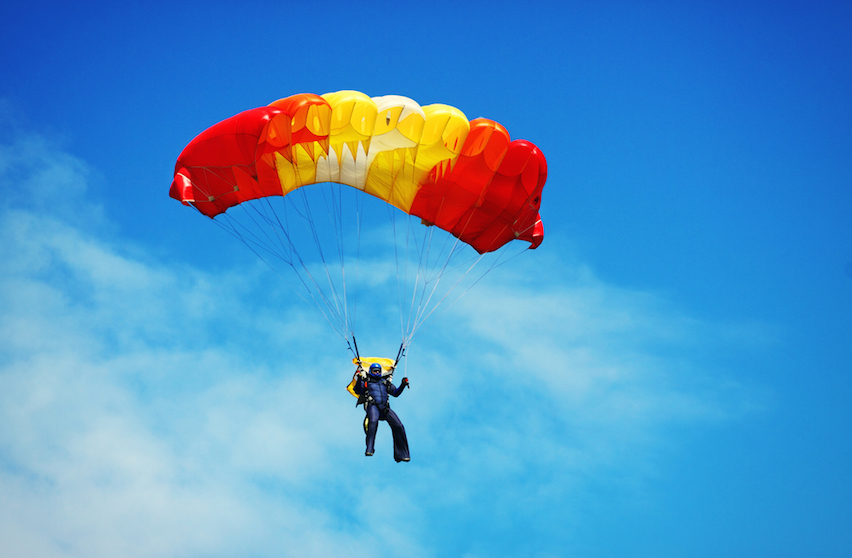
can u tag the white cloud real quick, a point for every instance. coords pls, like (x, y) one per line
(129, 431)
(143, 413)
(36, 173)
(560, 382)
(130, 423)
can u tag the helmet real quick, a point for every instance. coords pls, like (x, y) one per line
(375, 370)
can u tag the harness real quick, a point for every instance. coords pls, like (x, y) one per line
(368, 400)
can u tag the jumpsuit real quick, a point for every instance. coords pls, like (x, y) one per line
(376, 393)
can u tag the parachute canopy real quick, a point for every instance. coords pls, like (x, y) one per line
(465, 177)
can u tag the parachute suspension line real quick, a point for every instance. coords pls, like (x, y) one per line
(232, 230)
(423, 311)
(338, 206)
(424, 307)
(429, 264)
(262, 241)
(423, 319)
(495, 264)
(333, 204)
(410, 240)
(420, 247)
(359, 220)
(284, 228)
(402, 261)
(400, 278)
(424, 270)
(312, 229)
(420, 271)
(453, 251)
(402, 274)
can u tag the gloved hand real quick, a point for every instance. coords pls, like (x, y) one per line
(405, 383)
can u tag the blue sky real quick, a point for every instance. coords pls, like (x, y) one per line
(667, 375)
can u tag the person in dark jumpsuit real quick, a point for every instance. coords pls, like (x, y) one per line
(374, 392)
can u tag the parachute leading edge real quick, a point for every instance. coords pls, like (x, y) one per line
(466, 177)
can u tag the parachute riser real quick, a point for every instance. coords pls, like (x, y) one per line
(357, 355)
(399, 354)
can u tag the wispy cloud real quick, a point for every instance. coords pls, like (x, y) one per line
(143, 413)
(561, 384)
(132, 424)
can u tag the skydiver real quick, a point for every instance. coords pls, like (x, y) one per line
(373, 390)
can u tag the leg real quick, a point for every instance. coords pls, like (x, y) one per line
(400, 440)
(372, 426)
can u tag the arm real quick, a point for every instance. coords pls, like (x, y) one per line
(359, 384)
(395, 391)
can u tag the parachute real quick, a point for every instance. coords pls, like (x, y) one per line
(467, 178)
